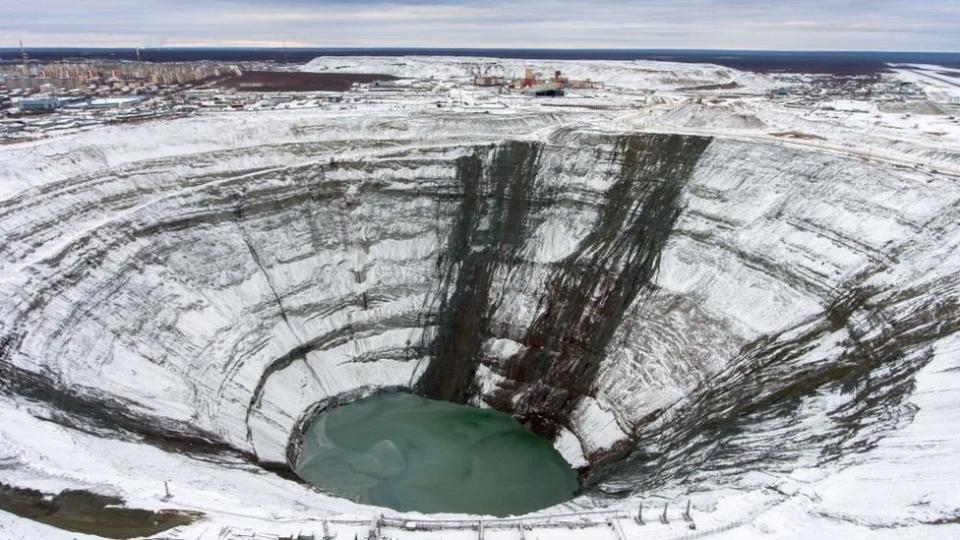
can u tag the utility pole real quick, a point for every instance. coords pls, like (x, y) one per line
(23, 59)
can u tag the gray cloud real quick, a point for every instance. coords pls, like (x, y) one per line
(734, 24)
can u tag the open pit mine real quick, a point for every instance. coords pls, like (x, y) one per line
(672, 306)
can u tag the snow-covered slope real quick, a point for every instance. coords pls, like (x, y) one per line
(633, 75)
(767, 325)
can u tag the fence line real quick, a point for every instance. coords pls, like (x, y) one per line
(570, 520)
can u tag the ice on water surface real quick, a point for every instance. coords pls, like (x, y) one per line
(410, 453)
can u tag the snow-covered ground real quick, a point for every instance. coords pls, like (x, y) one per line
(171, 271)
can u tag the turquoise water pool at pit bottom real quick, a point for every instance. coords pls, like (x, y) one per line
(413, 454)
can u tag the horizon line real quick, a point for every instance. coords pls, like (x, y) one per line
(459, 48)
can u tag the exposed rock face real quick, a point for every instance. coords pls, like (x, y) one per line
(491, 228)
(583, 298)
(697, 307)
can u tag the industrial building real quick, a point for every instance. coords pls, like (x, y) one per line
(534, 83)
(39, 104)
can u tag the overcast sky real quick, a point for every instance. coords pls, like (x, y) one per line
(918, 25)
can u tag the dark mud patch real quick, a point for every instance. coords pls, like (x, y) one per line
(89, 513)
(797, 135)
(293, 81)
(732, 85)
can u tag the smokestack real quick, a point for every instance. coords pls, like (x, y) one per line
(528, 77)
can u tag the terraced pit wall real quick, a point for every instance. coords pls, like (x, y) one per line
(680, 302)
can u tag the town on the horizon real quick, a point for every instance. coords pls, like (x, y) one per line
(58, 93)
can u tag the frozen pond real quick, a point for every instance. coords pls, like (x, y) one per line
(413, 454)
